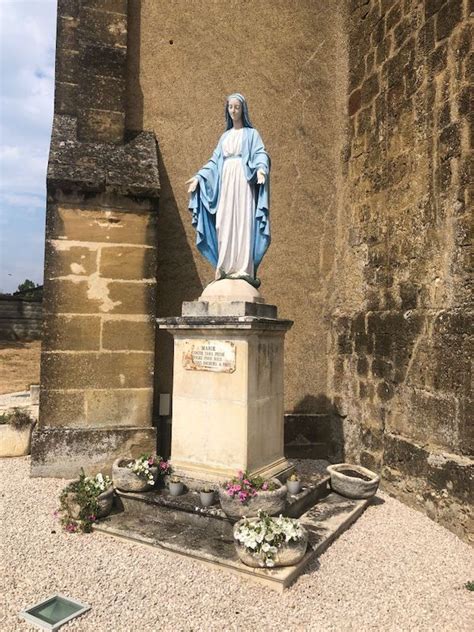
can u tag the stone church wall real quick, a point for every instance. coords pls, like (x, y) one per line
(288, 59)
(402, 350)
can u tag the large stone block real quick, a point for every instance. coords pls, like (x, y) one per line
(66, 297)
(62, 452)
(71, 333)
(101, 126)
(106, 225)
(115, 6)
(67, 66)
(104, 60)
(97, 370)
(137, 335)
(439, 415)
(102, 93)
(65, 98)
(128, 262)
(62, 408)
(65, 259)
(119, 407)
(133, 298)
(110, 29)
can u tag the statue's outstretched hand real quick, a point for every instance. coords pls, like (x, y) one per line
(260, 177)
(193, 182)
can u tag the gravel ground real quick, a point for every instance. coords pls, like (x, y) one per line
(393, 570)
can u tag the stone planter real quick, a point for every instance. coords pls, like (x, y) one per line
(289, 553)
(207, 498)
(176, 489)
(353, 481)
(74, 508)
(271, 502)
(15, 442)
(127, 481)
(105, 500)
(293, 486)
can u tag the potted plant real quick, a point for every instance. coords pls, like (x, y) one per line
(246, 495)
(16, 426)
(136, 475)
(353, 481)
(176, 486)
(85, 500)
(206, 496)
(270, 542)
(294, 483)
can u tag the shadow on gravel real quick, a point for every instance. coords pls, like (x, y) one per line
(376, 500)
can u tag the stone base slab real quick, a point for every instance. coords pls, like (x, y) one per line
(231, 308)
(211, 542)
(197, 475)
(315, 486)
(62, 452)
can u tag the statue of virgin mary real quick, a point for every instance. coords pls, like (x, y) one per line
(230, 199)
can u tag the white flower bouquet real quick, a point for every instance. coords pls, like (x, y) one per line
(142, 468)
(98, 483)
(265, 537)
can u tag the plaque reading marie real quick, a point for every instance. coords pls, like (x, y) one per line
(209, 355)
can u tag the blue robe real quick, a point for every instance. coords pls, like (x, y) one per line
(205, 199)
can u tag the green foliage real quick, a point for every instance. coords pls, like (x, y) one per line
(469, 585)
(27, 285)
(84, 493)
(19, 418)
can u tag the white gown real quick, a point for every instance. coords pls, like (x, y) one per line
(235, 212)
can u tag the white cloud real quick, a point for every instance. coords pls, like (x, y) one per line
(27, 44)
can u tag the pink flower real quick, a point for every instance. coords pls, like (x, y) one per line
(151, 460)
(265, 486)
(55, 514)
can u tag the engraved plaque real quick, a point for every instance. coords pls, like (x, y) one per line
(209, 355)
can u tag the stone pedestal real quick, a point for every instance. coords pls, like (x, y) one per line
(228, 389)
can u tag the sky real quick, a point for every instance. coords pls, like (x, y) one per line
(27, 48)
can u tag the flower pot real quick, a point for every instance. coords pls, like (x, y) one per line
(127, 481)
(289, 553)
(271, 502)
(105, 500)
(293, 486)
(176, 489)
(104, 503)
(74, 508)
(207, 498)
(353, 481)
(15, 442)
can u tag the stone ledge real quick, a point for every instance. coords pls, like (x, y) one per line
(62, 452)
(258, 323)
(128, 169)
(201, 309)
(210, 541)
(146, 503)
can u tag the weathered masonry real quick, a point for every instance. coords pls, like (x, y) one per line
(364, 108)
(100, 266)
